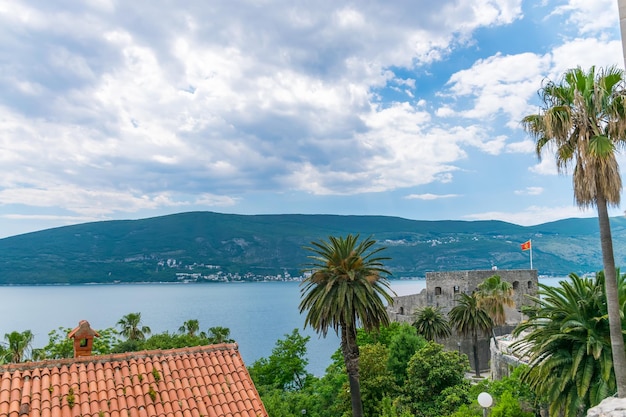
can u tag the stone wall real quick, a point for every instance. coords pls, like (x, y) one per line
(442, 287)
(441, 290)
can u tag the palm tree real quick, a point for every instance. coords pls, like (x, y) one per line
(347, 288)
(470, 319)
(131, 327)
(583, 119)
(190, 327)
(567, 340)
(219, 334)
(494, 295)
(18, 345)
(431, 323)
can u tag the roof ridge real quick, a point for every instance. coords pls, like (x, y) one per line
(113, 357)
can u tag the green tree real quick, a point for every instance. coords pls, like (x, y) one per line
(191, 327)
(59, 346)
(18, 345)
(431, 323)
(494, 295)
(347, 287)
(436, 384)
(219, 334)
(507, 406)
(131, 327)
(583, 120)
(567, 340)
(383, 335)
(331, 390)
(469, 319)
(377, 382)
(402, 347)
(285, 368)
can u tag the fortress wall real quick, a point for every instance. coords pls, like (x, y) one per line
(441, 290)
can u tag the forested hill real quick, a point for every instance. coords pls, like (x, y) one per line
(202, 246)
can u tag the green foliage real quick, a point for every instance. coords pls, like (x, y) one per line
(347, 287)
(493, 296)
(191, 327)
(71, 398)
(567, 338)
(383, 335)
(376, 379)
(332, 390)
(59, 346)
(436, 383)
(403, 345)
(18, 346)
(131, 327)
(508, 406)
(285, 369)
(513, 384)
(431, 323)
(219, 334)
(469, 318)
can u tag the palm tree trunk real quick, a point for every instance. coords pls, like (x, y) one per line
(350, 351)
(476, 360)
(612, 300)
(621, 5)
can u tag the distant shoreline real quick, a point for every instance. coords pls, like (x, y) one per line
(61, 284)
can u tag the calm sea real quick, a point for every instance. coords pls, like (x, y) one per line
(257, 314)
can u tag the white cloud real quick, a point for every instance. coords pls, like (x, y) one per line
(201, 106)
(429, 196)
(590, 16)
(524, 146)
(547, 166)
(530, 191)
(534, 215)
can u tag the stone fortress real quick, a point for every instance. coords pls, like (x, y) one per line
(441, 290)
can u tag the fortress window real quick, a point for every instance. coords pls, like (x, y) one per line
(515, 285)
(437, 290)
(456, 289)
(530, 284)
(401, 311)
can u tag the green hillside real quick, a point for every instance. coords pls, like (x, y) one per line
(202, 246)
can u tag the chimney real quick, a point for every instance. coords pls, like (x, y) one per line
(83, 338)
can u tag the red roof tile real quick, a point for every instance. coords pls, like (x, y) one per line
(209, 381)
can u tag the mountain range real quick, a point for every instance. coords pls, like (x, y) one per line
(205, 246)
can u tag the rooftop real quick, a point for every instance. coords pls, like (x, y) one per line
(207, 381)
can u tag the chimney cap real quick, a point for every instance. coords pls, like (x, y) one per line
(83, 331)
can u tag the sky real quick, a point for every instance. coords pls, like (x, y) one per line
(410, 108)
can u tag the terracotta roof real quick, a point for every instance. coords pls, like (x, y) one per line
(209, 381)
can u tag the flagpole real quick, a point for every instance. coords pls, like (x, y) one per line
(531, 253)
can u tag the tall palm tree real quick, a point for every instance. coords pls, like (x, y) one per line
(347, 288)
(131, 327)
(583, 119)
(494, 295)
(431, 323)
(190, 327)
(18, 345)
(567, 340)
(470, 319)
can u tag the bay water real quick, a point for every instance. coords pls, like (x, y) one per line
(257, 313)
